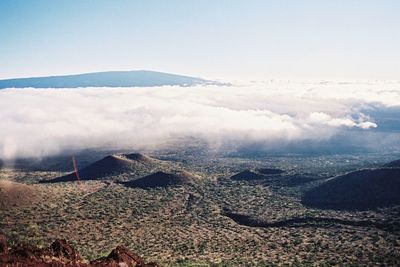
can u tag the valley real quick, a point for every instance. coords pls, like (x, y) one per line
(203, 216)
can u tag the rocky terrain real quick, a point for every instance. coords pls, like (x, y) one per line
(60, 253)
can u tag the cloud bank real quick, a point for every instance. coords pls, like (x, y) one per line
(40, 122)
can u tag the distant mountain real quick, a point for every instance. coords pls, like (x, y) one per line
(358, 190)
(140, 78)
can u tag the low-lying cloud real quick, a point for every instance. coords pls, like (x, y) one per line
(40, 122)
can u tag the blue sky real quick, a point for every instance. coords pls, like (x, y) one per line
(231, 39)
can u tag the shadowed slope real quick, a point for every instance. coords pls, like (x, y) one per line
(258, 174)
(310, 221)
(393, 164)
(163, 179)
(247, 175)
(270, 171)
(362, 189)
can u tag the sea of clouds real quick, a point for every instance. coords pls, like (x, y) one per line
(41, 122)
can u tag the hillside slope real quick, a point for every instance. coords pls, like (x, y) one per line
(13, 194)
(363, 189)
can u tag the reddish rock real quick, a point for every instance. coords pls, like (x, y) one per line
(62, 254)
(122, 254)
(61, 248)
(26, 251)
(118, 256)
(3, 244)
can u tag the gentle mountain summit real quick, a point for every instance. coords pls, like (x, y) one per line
(131, 164)
(359, 190)
(139, 78)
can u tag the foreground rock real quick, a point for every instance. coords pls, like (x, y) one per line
(61, 253)
(122, 255)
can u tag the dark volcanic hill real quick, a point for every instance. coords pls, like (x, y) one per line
(133, 164)
(247, 175)
(140, 78)
(163, 179)
(393, 164)
(270, 171)
(258, 174)
(360, 190)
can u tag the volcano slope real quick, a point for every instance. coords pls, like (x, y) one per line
(393, 164)
(359, 190)
(13, 194)
(163, 179)
(257, 174)
(134, 165)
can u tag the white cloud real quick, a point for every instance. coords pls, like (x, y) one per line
(325, 119)
(38, 122)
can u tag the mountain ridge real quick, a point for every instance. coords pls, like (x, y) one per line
(131, 78)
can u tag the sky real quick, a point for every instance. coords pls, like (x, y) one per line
(218, 39)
